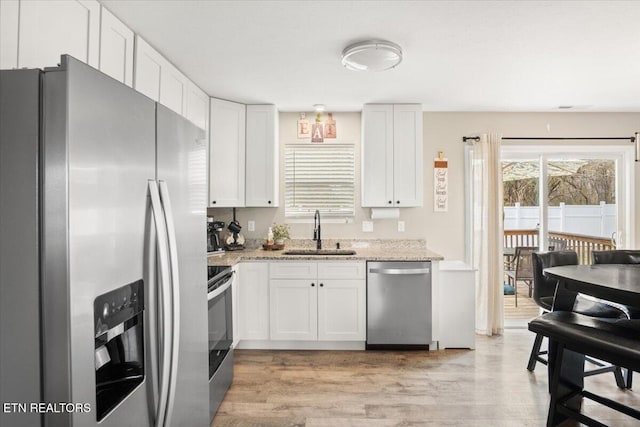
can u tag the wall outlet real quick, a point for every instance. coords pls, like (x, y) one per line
(367, 226)
(251, 225)
(401, 226)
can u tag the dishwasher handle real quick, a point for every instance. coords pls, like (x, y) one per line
(400, 271)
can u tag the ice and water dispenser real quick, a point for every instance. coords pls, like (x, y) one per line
(119, 345)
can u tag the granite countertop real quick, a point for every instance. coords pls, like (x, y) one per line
(370, 251)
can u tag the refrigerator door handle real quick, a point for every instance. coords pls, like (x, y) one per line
(153, 317)
(166, 312)
(175, 295)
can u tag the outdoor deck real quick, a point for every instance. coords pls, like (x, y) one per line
(527, 309)
(583, 245)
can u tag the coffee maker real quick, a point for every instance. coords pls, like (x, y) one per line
(234, 240)
(213, 235)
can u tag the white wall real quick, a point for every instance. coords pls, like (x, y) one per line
(444, 231)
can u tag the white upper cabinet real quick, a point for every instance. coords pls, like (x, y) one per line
(158, 79)
(197, 109)
(392, 161)
(262, 179)
(377, 155)
(148, 69)
(9, 17)
(116, 48)
(407, 155)
(173, 89)
(227, 154)
(34, 33)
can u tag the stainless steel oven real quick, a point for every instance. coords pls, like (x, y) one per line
(219, 295)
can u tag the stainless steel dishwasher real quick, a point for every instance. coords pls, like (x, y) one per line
(399, 305)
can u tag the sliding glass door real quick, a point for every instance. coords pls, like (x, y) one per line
(566, 197)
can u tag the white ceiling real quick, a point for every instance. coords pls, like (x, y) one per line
(458, 55)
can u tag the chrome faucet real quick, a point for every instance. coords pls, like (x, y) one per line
(316, 229)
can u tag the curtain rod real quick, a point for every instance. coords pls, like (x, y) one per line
(521, 138)
(633, 139)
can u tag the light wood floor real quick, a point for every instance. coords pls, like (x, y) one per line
(489, 386)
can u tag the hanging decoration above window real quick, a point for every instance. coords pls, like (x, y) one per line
(330, 127)
(303, 126)
(317, 129)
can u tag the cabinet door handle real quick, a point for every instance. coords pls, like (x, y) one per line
(397, 202)
(321, 284)
(213, 202)
(269, 201)
(313, 284)
(390, 202)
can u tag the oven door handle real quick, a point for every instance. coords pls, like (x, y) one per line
(218, 291)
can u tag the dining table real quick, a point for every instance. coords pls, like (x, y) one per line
(619, 283)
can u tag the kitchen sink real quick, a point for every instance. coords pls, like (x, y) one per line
(320, 252)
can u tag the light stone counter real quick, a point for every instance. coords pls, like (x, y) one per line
(367, 250)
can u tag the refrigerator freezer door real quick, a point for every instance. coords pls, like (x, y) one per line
(99, 139)
(182, 166)
(19, 245)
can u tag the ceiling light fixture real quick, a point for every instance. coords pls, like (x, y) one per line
(372, 55)
(318, 107)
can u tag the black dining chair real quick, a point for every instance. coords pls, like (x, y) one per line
(615, 341)
(543, 294)
(620, 256)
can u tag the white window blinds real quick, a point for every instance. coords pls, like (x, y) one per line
(319, 177)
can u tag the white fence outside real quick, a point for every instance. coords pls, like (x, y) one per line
(591, 220)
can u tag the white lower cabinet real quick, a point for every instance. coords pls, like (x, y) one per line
(293, 309)
(253, 301)
(457, 305)
(341, 310)
(322, 301)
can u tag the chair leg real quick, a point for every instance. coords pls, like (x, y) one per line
(533, 358)
(515, 291)
(554, 386)
(620, 381)
(629, 378)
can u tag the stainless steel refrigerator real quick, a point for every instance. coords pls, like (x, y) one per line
(103, 304)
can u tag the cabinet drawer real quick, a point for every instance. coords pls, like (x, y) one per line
(341, 270)
(293, 270)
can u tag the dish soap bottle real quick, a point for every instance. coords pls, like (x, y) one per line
(270, 237)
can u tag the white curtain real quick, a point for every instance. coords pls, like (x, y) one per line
(486, 236)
